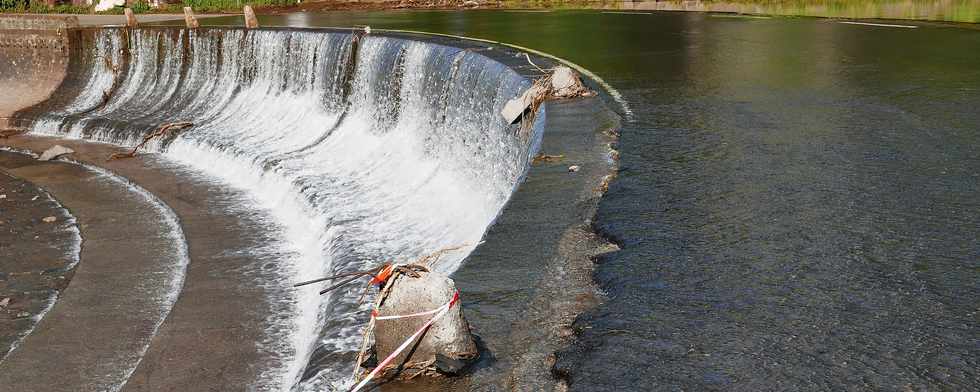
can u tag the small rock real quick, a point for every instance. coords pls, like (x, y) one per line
(23, 314)
(49, 219)
(573, 168)
(55, 152)
(4, 302)
(447, 365)
(3, 196)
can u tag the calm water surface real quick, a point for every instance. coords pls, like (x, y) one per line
(798, 200)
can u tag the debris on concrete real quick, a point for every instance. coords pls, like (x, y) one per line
(573, 168)
(558, 83)
(603, 186)
(546, 158)
(55, 152)
(49, 219)
(168, 130)
(8, 132)
(515, 108)
(565, 83)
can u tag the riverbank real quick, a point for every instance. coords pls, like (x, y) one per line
(962, 11)
(933, 10)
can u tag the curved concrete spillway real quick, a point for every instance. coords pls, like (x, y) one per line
(362, 148)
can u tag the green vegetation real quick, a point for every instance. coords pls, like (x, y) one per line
(231, 5)
(38, 7)
(139, 7)
(939, 10)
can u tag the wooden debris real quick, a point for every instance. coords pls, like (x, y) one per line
(546, 158)
(5, 133)
(170, 129)
(558, 82)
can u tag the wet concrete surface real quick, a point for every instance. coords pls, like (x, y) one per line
(220, 333)
(523, 287)
(37, 257)
(103, 322)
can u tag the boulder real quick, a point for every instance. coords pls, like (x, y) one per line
(446, 346)
(55, 152)
(565, 83)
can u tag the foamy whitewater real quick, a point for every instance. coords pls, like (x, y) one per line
(365, 149)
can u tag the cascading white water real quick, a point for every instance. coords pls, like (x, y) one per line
(391, 155)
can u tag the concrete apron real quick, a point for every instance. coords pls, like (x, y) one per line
(105, 319)
(37, 256)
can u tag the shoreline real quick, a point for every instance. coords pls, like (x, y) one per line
(962, 13)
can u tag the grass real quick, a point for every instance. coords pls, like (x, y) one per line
(139, 7)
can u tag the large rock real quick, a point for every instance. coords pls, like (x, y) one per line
(448, 340)
(565, 83)
(54, 152)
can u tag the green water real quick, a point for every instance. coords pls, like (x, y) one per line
(933, 10)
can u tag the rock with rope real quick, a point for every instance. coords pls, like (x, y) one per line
(414, 300)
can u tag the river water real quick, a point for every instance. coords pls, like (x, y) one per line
(797, 203)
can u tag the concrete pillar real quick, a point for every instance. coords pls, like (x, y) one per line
(250, 21)
(189, 18)
(130, 18)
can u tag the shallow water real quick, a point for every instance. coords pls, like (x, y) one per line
(797, 202)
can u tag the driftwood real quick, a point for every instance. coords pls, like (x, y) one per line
(422, 264)
(546, 158)
(5, 133)
(169, 129)
(558, 82)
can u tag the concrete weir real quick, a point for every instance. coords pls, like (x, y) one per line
(311, 153)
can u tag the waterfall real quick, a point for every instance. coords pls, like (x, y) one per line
(365, 149)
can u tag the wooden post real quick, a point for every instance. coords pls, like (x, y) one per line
(250, 21)
(189, 18)
(130, 18)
